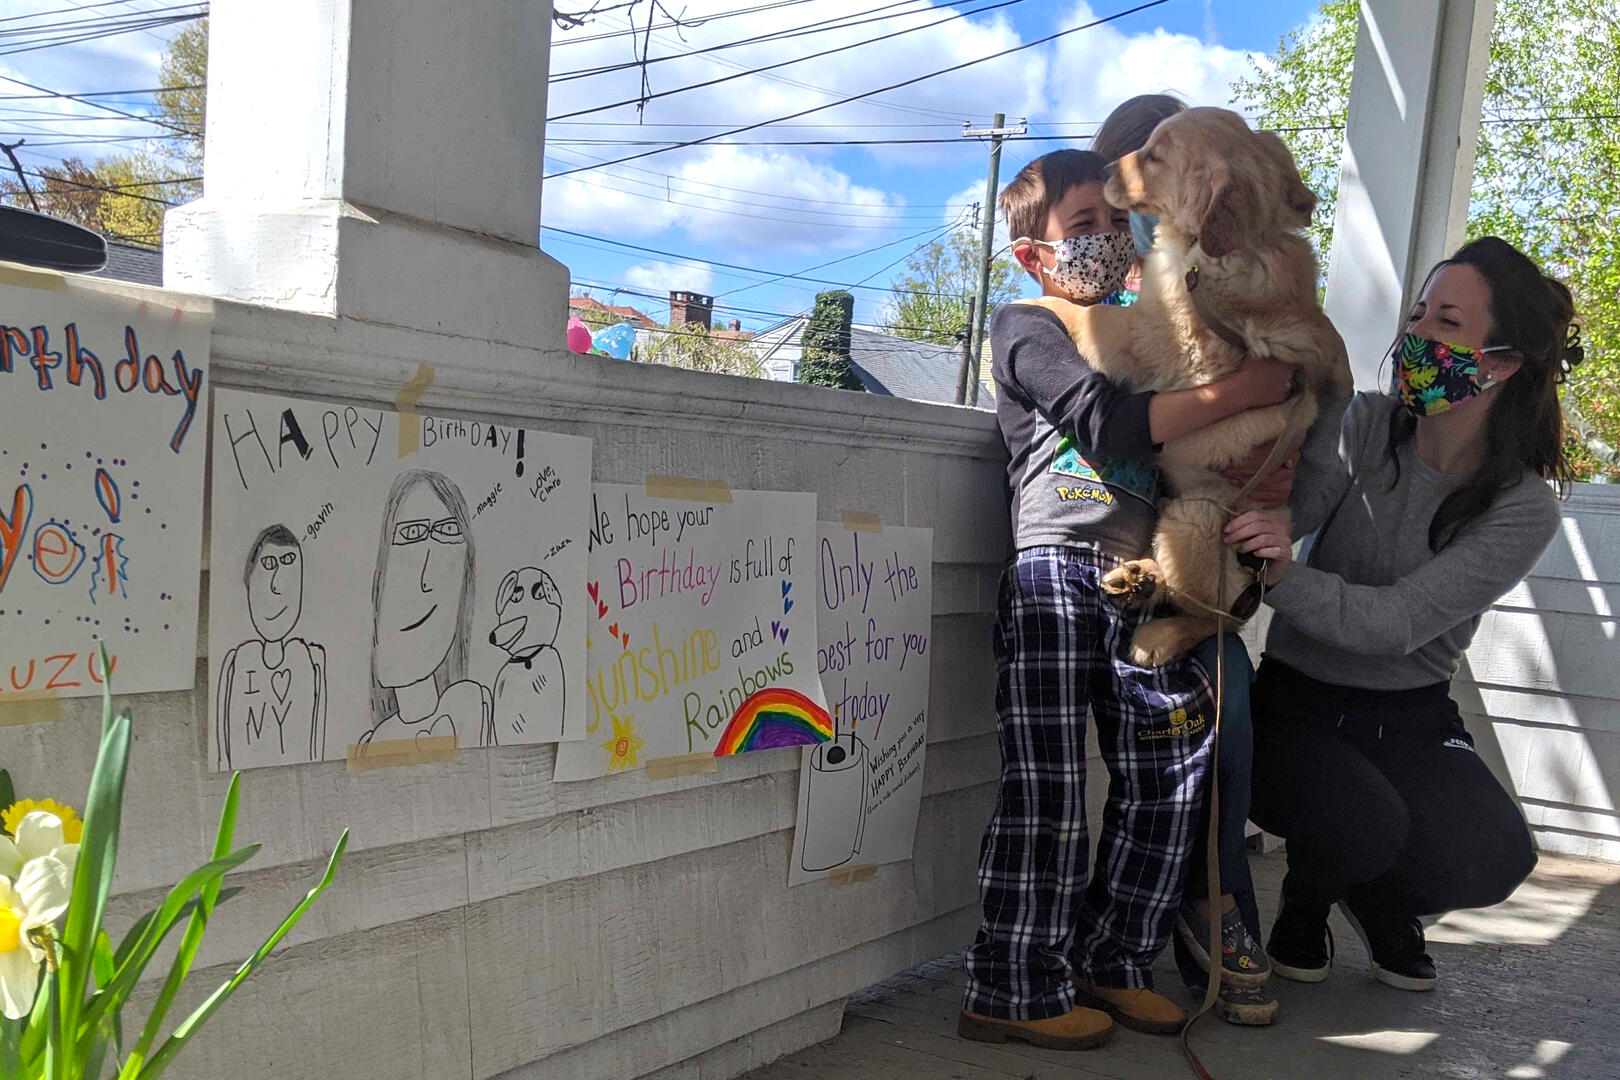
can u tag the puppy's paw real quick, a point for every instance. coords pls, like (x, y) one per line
(1159, 642)
(1132, 585)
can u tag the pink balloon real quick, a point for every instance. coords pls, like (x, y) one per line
(579, 336)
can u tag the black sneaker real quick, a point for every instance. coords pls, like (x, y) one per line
(1301, 944)
(1396, 947)
(1243, 961)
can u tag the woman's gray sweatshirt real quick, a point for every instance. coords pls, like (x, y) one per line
(1371, 606)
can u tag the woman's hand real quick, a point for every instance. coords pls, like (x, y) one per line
(1263, 534)
(1278, 485)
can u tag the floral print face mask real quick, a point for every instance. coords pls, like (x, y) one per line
(1432, 377)
(1088, 268)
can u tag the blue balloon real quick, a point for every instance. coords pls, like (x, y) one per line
(616, 340)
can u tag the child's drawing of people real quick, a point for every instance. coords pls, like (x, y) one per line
(530, 696)
(271, 708)
(422, 601)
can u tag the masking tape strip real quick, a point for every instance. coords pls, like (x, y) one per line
(688, 488)
(410, 431)
(681, 765)
(861, 520)
(849, 875)
(393, 753)
(36, 708)
(28, 277)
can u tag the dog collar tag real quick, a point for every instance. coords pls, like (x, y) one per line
(1192, 277)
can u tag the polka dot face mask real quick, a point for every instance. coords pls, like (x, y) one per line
(1088, 268)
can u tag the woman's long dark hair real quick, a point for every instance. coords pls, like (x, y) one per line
(1532, 313)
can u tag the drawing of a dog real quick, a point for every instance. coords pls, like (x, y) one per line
(530, 698)
(1229, 276)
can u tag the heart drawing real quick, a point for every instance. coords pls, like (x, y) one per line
(601, 610)
(280, 682)
(779, 631)
(613, 630)
(625, 638)
(595, 589)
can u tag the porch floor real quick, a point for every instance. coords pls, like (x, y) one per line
(1529, 989)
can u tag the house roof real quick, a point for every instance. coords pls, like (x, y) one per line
(885, 364)
(144, 266)
(587, 303)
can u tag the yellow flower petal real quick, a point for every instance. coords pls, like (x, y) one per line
(72, 827)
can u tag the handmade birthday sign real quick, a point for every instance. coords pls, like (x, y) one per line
(101, 477)
(702, 627)
(368, 589)
(859, 792)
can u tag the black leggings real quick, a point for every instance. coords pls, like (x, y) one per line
(1381, 798)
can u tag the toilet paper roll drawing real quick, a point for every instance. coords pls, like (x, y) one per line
(835, 810)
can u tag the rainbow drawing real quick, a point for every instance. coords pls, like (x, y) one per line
(773, 717)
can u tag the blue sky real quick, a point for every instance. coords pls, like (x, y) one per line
(782, 208)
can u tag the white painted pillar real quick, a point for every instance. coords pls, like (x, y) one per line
(1413, 128)
(377, 160)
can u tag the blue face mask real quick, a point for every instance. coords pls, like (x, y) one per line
(1142, 226)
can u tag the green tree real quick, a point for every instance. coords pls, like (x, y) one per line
(930, 301)
(1548, 173)
(696, 348)
(824, 359)
(124, 196)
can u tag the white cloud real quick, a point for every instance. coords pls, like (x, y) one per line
(658, 278)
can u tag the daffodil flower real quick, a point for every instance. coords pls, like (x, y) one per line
(34, 903)
(39, 833)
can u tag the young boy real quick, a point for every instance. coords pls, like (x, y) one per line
(1084, 495)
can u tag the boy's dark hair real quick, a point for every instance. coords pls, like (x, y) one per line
(1127, 128)
(1041, 184)
(279, 535)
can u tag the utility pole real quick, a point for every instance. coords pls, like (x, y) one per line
(970, 363)
(996, 133)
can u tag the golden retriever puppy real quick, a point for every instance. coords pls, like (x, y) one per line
(1229, 276)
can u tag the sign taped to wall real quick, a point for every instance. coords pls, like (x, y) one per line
(860, 792)
(102, 398)
(702, 628)
(359, 596)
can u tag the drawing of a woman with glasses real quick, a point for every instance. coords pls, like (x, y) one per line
(422, 601)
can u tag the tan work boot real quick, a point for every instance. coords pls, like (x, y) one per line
(1139, 1010)
(1077, 1029)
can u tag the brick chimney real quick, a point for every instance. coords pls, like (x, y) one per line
(690, 307)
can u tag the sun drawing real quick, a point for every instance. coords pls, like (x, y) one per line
(623, 746)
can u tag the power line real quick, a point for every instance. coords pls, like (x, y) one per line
(933, 235)
(119, 190)
(98, 105)
(775, 35)
(877, 102)
(729, 266)
(882, 89)
(642, 100)
(104, 93)
(680, 23)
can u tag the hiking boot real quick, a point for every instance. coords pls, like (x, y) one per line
(1139, 1010)
(1243, 961)
(1077, 1029)
(1301, 945)
(1396, 947)
(1253, 1006)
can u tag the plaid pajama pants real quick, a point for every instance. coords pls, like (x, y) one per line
(1061, 645)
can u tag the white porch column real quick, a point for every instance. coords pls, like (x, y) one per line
(1408, 163)
(378, 160)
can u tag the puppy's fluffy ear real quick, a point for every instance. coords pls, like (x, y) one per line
(1299, 199)
(1231, 213)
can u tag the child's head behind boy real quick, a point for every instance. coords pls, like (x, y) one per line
(1065, 234)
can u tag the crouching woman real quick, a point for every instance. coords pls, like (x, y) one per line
(1442, 504)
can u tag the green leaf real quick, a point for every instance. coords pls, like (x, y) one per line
(189, 944)
(157, 928)
(188, 1027)
(92, 881)
(8, 794)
